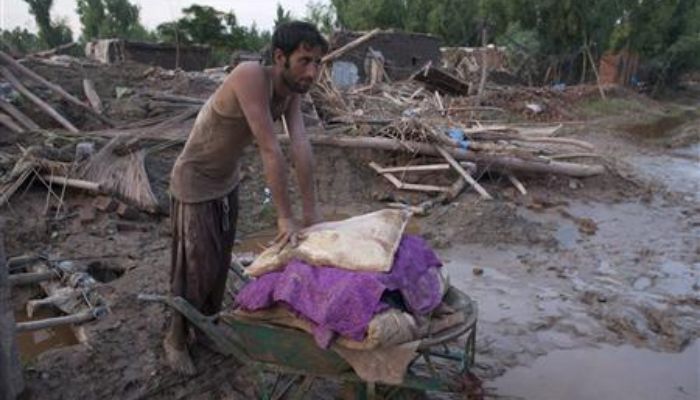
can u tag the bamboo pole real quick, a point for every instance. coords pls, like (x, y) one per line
(36, 100)
(55, 88)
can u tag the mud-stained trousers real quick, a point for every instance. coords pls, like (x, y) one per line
(203, 236)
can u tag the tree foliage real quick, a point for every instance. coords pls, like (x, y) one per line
(209, 26)
(666, 33)
(110, 19)
(51, 33)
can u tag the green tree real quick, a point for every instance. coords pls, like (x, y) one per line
(282, 16)
(110, 18)
(20, 41)
(92, 18)
(322, 15)
(51, 33)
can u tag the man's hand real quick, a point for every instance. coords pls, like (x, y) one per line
(288, 234)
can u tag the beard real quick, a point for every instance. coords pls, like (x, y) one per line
(301, 86)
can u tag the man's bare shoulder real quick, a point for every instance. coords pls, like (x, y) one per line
(248, 73)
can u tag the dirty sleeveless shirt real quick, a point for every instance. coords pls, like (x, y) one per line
(209, 166)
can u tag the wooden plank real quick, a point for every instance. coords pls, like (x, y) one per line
(36, 100)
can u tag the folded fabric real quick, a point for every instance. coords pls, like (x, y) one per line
(336, 243)
(344, 302)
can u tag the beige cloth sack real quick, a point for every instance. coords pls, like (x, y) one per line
(363, 243)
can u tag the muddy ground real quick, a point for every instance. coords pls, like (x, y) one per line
(563, 276)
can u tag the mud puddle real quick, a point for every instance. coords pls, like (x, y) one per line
(621, 373)
(33, 343)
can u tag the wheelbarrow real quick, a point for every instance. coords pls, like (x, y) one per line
(292, 354)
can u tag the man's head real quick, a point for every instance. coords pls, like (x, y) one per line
(297, 48)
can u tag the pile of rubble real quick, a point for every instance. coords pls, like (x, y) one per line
(428, 116)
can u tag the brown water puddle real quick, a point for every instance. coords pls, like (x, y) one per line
(31, 344)
(620, 373)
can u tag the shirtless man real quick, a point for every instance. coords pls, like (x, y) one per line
(204, 182)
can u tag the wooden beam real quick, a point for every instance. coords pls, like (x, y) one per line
(19, 116)
(496, 162)
(7, 121)
(344, 49)
(53, 87)
(36, 100)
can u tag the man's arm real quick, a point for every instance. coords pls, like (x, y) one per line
(302, 157)
(252, 91)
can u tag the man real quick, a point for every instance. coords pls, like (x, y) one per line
(204, 182)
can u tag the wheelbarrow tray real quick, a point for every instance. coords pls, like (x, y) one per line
(293, 351)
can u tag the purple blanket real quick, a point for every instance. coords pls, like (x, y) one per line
(344, 302)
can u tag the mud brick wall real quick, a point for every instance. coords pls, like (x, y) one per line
(404, 52)
(191, 58)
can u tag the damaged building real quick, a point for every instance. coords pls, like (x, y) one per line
(165, 55)
(400, 53)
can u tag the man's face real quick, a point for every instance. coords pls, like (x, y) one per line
(301, 68)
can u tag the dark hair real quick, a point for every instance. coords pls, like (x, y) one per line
(289, 35)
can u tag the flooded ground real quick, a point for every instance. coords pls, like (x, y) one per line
(606, 372)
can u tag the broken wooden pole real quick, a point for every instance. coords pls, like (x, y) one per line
(518, 185)
(55, 88)
(406, 186)
(29, 278)
(11, 381)
(25, 121)
(77, 318)
(344, 49)
(497, 162)
(74, 183)
(7, 121)
(36, 100)
(451, 160)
